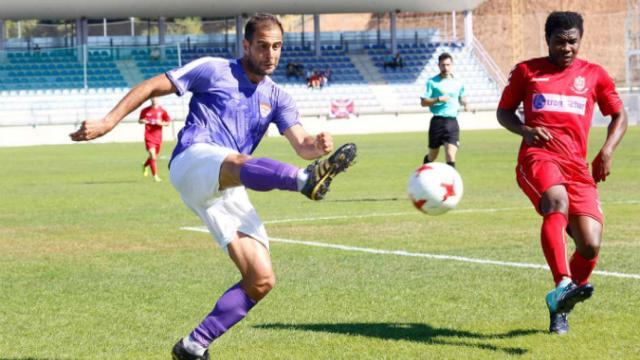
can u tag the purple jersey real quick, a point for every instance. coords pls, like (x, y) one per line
(226, 108)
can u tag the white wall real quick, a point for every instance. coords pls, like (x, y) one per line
(134, 132)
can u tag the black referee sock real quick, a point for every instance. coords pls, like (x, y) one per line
(452, 164)
(426, 159)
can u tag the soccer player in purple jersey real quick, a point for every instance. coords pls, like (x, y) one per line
(233, 102)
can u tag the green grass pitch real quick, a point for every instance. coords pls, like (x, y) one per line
(94, 263)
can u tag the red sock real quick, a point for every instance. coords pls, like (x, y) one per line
(146, 163)
(554, 244)
(582, 268)
(154, 168)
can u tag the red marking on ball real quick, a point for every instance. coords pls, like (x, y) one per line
(450, 191)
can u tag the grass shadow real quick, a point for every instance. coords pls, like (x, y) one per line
(414, 332)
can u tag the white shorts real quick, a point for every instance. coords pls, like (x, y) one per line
(195, 173)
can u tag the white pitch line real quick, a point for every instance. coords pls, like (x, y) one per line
(424, 255)
(404, 213)
(337, 217)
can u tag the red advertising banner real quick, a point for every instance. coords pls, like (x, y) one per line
(342, 108)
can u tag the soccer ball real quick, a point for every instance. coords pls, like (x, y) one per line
(435, 188)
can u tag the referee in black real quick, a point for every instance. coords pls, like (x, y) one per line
(444, 95)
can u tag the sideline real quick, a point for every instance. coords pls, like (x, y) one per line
(423, 255)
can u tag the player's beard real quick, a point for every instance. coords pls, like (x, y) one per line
(254, 67)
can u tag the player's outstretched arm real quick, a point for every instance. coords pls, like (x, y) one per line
(92, 129)
(307, 146)
(601, 164)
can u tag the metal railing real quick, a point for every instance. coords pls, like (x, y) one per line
(494, 71)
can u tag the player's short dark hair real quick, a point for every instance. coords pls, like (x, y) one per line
(444, 56)
(563, 21)
(257, 19)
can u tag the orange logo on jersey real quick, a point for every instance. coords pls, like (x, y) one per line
(265, 109)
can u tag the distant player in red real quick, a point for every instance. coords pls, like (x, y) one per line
(559, 93)
(154, 117)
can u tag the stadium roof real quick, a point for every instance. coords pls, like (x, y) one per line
(71, 9)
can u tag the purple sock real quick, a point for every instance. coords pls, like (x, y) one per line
(232, 307)
(264, 174)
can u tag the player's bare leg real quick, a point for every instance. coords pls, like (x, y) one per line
(587, 235)
(254, 263)
(450, 151)
(560, 301)
(431, 156)
(146, 165)
(145, 169)
(151, 162)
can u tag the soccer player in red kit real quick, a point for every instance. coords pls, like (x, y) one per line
(154, 117)
(559, 93)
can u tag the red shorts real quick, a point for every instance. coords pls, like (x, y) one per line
(536, 173)
(152, 144)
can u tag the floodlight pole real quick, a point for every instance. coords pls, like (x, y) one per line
(148, 32)
(66, 34)
(162, 29)
(83, 42)
(78, 37)
(468, 28)
(378, 37)
(226, 33)
(1, 34)
(454, 31)
(179, 54)
(85, 56)
(316, 34)
(393, 28)
(239, 50)
(302, 33)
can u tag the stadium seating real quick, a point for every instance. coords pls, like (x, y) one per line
(151, 64)
(421, 63)
(346, 81)
(334, 58)
(414, 57)
(29, 76)
(57, 69)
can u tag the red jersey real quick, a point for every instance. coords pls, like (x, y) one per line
(153, 129)
(561, 100)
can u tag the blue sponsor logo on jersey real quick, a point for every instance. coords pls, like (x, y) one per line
(539, 101)
(559, 103)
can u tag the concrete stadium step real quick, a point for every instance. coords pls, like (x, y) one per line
(130, 72)
(366, 67)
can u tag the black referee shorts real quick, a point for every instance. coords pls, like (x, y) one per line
(443, 130)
